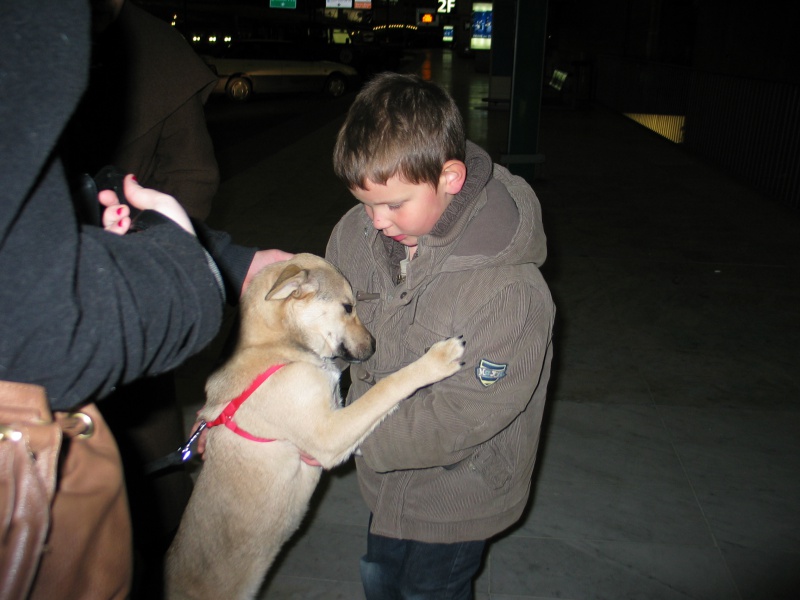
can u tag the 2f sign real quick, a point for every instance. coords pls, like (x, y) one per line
(446, 6)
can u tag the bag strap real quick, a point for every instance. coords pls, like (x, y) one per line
(29, 449)
(23, 402)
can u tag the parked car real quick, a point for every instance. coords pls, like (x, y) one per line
(250, 67)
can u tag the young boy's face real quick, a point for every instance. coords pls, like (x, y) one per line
(405, 211)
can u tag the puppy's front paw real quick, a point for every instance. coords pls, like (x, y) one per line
(445, 356)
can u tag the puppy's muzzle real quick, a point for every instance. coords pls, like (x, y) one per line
(359, 352)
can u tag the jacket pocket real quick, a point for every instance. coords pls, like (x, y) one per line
(491, 466)
(419, 339)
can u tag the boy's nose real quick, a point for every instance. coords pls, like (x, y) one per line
(378, 221)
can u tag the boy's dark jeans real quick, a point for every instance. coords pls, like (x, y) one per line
(408, 570)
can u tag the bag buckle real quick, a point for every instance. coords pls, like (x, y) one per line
(8, 433)
(78, 425)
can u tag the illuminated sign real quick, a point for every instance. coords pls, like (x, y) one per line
(338, 3)
(481, 26)
(283, 3)
(446, 6)
(426, 17)
(447, 33)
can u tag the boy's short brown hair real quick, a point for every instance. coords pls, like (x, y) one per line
(399, 125)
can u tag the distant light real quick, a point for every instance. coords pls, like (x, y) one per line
(480, 43)
(395, 26)
(558, 79)
(426, 17)
(196, 38)
(212, 39)
(481, 26)
(668, 126)
(341, 36)
(227, 39)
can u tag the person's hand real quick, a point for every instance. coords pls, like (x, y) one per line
(262, 259)
(116, 216)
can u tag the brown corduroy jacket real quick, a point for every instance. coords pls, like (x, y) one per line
(454, 462)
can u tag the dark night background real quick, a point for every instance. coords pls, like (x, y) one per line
(731, 37)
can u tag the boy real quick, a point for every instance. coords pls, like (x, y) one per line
(446, 244)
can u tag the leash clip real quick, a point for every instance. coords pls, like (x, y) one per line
(186, 450)
(177, 458)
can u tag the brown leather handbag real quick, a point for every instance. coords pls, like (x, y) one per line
(64, 523)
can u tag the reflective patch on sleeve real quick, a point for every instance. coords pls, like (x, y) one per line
(489, 372)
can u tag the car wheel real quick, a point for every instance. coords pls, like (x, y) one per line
(335, 85)
(346, 56)
(239, 88)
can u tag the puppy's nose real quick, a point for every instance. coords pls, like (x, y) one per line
(359, 352)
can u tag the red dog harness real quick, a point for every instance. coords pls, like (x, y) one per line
(226, 416)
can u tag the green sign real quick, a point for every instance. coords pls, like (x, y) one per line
(283, 3)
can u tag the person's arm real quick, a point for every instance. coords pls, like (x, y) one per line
(238, 264)
(81, 310)
(91, 310)
(442, 424)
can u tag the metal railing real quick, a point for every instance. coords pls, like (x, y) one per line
(748, 127)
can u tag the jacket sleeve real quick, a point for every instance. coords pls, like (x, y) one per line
(83, 310)
(232, 259)
(444, 423)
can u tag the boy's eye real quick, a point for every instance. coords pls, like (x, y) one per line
(395, 206)
(348, 308)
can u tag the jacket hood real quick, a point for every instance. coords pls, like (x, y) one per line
(494, 220)
(43, 73)
(141, 44)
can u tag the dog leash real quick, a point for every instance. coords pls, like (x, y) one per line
(184, 453)
(177, 458)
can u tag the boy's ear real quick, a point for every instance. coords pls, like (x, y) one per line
(454, 174)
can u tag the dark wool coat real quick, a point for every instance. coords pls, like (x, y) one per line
(81, 310)
(143, 111)
(454, 462)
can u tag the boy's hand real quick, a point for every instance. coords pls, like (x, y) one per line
(114, 219)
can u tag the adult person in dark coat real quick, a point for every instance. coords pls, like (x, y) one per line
(143, 112)
(83, 310)
(144, 108)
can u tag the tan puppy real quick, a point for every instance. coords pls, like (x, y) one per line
(252, 495)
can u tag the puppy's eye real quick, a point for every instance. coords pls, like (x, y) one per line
(348, 308)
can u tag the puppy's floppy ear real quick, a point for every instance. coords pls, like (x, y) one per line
(293, 281)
